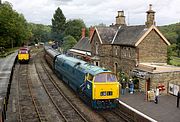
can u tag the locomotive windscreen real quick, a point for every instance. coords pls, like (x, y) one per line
(105, 77)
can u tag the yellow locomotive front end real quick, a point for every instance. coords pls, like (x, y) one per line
(105, 90)
(23, 55)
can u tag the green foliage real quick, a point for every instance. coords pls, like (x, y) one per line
(13, 27)
(169, 32)
(40, 33)
(122, 77)
(62, 29)
(172, 33)
(69, 42)
(58, 24)
(178, 41)
(175, 61)
(74, 27)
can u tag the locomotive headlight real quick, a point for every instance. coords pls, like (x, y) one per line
(103, 93)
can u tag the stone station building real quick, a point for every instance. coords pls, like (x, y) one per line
(139, 51)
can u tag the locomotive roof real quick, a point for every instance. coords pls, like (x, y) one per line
(52, 52)
(82, 65)
(23, 48)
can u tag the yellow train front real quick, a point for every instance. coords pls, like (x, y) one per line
(103, 89)
(24, 55)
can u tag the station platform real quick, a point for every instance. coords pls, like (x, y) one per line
(164, 111)
(6, 67)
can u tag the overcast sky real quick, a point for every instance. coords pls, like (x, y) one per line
(94, 12)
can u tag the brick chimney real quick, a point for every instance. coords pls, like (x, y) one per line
(91, 31)
(120, 18)
(83, 33)
(150, 17)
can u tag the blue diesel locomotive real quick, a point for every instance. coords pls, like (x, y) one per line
(96, 86)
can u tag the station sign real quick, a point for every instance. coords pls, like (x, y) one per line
(140, 74)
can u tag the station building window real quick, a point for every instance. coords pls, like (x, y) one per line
(97, 48)
(96, 63)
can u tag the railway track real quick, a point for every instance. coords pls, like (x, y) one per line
(114, 116)
(66, 109)
(29, 109)
(123, 115)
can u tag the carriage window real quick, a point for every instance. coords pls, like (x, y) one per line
(105, 77)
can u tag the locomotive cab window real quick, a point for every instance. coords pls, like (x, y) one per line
(105, 77)
(89, 77)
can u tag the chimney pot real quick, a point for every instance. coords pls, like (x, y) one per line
(83, 32)
(150, 17)
(150, 6)
(120, 13)
(91, 31)
(120, 18)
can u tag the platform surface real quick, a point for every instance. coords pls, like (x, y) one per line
(6, 65)
(165, 111)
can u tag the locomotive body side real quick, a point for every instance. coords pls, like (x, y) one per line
(82, 77)
(96, 86)
(66, 68)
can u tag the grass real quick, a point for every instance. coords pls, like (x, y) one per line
(8, 52)
(175, 61)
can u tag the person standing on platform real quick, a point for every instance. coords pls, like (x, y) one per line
(131, 86)
(123, 86)
(178, 97)
(156, 95)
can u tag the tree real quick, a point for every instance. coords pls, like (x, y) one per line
(172, 33)
(40, 33)
(74, 27)
(14, 30)
(58, 24)
(68, 42)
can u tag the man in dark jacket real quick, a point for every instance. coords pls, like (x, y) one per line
(123, 86)
(178, 96)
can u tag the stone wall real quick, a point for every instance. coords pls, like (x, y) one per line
(153, 49)
(95, 40)
(126, 58)
(165, 78)
(160, 78)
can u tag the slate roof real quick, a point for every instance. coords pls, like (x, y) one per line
(83, 44)
(107, 34)
(129, 35)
